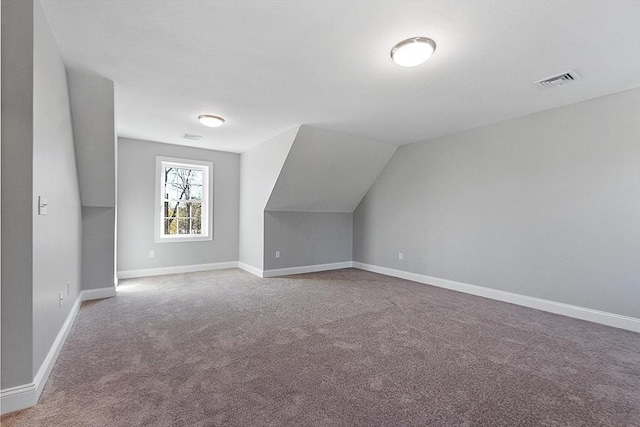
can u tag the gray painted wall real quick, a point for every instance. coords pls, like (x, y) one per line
(307, 238)
(327, 172)
(260, 167)
(17, 192)
(54, 176)
(98, 247)
(308, 216)
(92, 104)
(545, 205)
(136, 208)
(37, 159)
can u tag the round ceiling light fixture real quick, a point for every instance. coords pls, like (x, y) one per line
(211, 120)
(413, 51)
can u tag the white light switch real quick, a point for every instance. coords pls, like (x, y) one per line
(42, 205)
(400, 255)
(277, 254)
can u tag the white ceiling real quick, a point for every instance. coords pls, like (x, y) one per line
(267, 66)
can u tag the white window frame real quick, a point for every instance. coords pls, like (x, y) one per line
(207, 200)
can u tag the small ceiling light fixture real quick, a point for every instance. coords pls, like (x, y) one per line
(211, 120)
(413, 51)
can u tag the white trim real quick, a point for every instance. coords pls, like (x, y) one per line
(100, 293)
(27, 395)
(207, 200)
(306, 269)
(131, 274)
(602, 317)
(250, 269)
(17, 398)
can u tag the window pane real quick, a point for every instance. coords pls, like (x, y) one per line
(167, 211)
(176, 175)
(182, 209)
(183, 226)
(184, 176)
(196, 210)
(196, 226)
(188, 226)
(173, 192)
(195, 192)
(196, 177)
(170, 226)
(169, 174)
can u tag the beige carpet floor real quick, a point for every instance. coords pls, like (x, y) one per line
(340, 348)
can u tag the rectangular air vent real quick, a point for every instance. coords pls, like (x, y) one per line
(191, 136)
(559, 80)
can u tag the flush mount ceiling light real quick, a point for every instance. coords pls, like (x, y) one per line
(211, 120)
(413, 51)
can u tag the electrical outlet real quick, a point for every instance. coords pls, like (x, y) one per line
(277, 254)
(152, 254)
(60, 299)
(400, 255)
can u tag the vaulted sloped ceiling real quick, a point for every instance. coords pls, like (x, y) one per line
(326, 171)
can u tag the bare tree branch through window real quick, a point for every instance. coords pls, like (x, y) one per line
(182, 201)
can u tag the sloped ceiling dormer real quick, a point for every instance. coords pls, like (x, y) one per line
(327, 171)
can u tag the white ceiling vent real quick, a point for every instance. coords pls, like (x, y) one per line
(191, 136)
(559, 80)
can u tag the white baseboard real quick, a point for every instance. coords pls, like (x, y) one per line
(250, 269)
(91, 294)
(306, 269)
(17, 398)
(602, 317)
(27, 395)
(293, 270)
(148, 272)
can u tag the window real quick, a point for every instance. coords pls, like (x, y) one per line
(183, 200)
